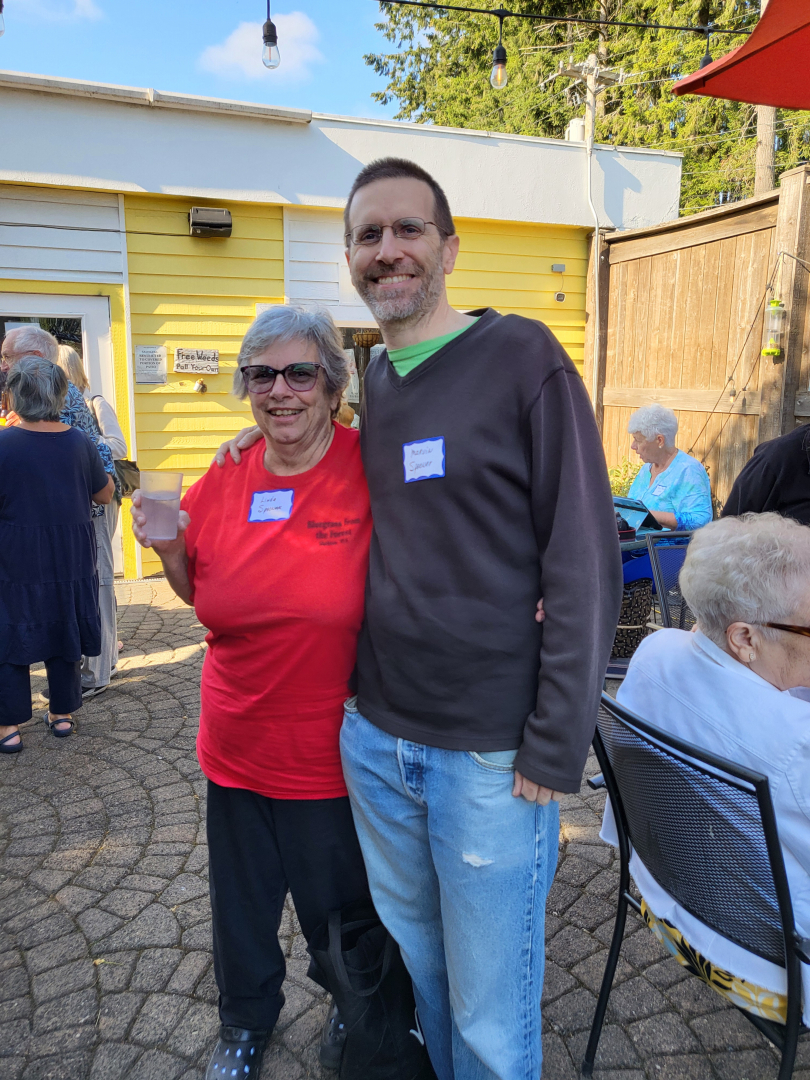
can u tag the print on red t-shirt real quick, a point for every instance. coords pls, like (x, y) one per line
(283, 602)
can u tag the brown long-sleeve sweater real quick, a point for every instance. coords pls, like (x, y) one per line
(488, 490)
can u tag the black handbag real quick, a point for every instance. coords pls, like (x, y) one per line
(371, 986)
(129, 476)
(635, 614)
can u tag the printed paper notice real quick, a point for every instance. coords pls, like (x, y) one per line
(150, 363)
(197, 361)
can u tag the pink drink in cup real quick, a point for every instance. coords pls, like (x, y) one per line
(160, 502)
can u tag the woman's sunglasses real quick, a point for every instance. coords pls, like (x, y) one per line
(260, 379)
(789, 628)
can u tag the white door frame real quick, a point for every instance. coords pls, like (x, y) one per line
(94, 311)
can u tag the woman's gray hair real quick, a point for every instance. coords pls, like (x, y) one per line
(287, 322)
(37, 388)
(750, 569)
(652, 420)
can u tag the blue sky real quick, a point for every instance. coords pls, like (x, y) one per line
(204, 47)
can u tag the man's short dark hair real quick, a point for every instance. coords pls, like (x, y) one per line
(392, 168)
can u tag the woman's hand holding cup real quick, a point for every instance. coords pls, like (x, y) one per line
(163, 548)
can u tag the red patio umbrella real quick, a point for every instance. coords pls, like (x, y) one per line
(772, 67)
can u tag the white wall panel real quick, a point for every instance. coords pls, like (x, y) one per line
(56, 235)
(315, 269)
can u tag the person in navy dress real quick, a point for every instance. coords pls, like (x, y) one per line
(50, 473)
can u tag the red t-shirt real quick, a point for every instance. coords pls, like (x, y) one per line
(278, 568)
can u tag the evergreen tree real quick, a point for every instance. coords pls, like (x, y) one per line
(439, 74)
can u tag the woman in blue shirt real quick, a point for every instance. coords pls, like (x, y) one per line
(672, 485)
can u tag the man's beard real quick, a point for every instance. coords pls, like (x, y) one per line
(403, 309)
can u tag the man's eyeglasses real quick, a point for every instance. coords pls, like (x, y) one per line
(407, 228)
(260, 379)
(803, 630)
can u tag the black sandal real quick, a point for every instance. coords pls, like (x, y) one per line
(333, 1036)
(238, 1054)
(15, 748)
(51, 726)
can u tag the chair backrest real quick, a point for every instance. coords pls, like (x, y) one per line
(703, 827)
(667, 553)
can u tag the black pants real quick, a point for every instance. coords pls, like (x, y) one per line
(258, 848)
(64, 684)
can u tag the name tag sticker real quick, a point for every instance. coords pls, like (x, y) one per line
(659, 490)
(271, 505)
(423, 460)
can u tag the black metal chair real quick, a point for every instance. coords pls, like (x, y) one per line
(705, 830)
(667, 553)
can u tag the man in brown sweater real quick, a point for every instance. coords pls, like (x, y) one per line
(488, 490)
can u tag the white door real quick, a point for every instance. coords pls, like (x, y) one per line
(89, 318)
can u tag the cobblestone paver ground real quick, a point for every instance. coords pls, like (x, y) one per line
(105, 961)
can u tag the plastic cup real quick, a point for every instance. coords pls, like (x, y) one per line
(160, 502)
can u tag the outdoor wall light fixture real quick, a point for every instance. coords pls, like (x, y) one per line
(498, 78)
(271, 57)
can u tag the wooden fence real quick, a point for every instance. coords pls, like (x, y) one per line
(681, 323)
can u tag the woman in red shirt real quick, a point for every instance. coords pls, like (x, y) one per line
(273, 556)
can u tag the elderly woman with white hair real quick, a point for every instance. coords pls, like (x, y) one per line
(273, 556)
(737, 688)
(672, 485)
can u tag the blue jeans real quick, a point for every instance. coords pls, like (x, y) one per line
(459, 870)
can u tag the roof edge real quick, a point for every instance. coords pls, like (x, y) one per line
(712, 214)
(136, 95)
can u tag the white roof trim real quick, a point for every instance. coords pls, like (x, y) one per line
(135, 95)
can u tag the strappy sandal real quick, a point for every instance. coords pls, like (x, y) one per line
(51, 726)
(14, 748)
(238, 1054)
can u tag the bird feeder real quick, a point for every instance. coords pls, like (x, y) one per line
(775, 316)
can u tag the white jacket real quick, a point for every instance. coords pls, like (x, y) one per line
(686, 685)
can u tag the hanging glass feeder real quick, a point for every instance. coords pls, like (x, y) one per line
(775, 316)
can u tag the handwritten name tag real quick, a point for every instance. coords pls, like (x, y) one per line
(659, 490)
(423, 460)
(271, 505)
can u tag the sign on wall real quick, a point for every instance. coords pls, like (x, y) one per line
(150, 364)
(197, 361)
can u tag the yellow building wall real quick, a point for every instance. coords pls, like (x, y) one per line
(118, 334)
(507, 265)
(197, 293)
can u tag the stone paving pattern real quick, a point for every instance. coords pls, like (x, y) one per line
(105, 934)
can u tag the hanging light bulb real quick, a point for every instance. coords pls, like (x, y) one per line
(707, 56)
(271, 57)
(498, 77)
(2, 24)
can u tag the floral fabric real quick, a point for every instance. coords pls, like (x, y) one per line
(768, 1004)
(79, 416)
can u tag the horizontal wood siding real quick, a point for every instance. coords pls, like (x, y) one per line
(189, 292)
(685, 312)
(507, 265)
(50, 234)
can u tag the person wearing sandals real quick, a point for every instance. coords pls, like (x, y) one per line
(273, 556)
(50, 473)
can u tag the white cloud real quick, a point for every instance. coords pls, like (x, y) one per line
(59, 10)
(240, 54)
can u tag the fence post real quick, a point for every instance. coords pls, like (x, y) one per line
(780, 381)
(590, 324)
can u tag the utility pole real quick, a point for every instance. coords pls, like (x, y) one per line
(764, 169)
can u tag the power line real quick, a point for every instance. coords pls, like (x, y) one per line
(503, 13)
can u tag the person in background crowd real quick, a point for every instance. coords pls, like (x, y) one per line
(777, 478)
(98, 670)
(672, 485)
(34, 341)
(737, 688)
(273, 556)
(49, 475)
(488, 489)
